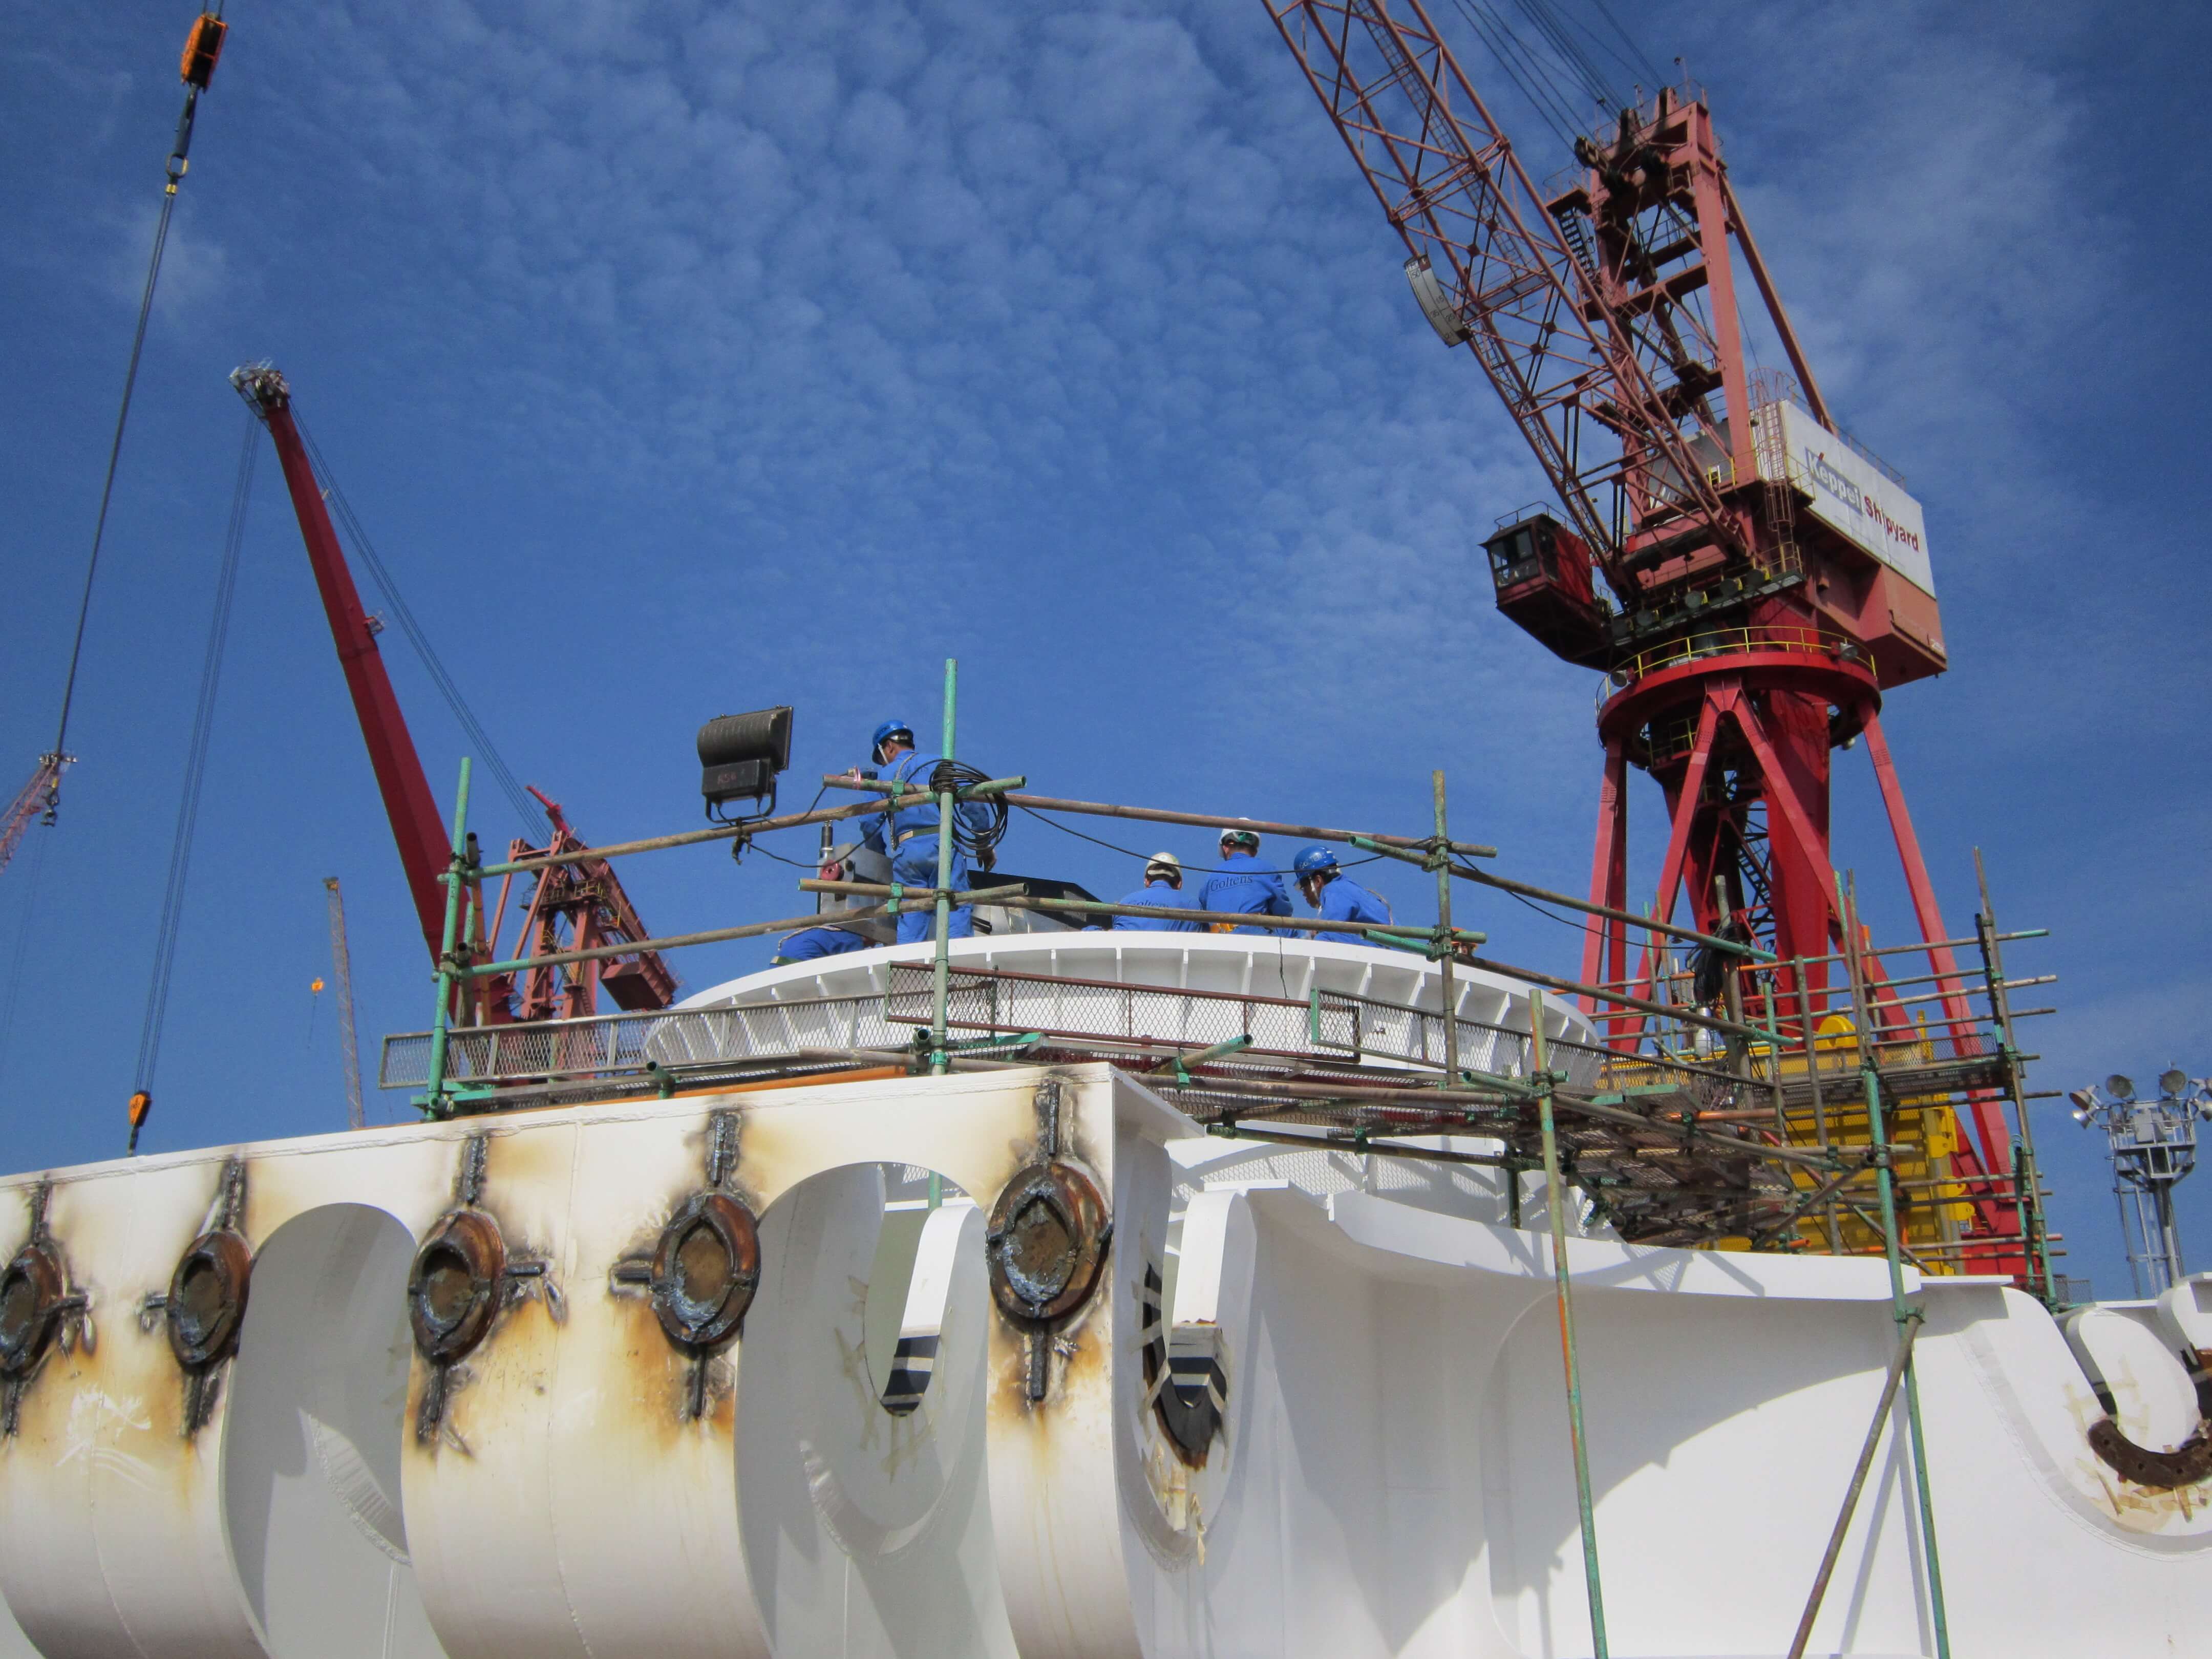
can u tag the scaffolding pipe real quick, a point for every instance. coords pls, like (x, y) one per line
(1257, 826)
(1835, 1550)
(1555, 1203)
(687, 838)
(1361, 1146)
(1018, 901)
(914, 899)
(941, 971)
(1441, 863)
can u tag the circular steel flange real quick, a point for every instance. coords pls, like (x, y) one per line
(1046, 1242)
(705, 1270)
(454, 1288)
(30, 1298)
(2188, 1462)
(207, 1299)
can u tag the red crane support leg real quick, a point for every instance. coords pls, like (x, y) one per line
(1796, 763)
(1605, 944)
(1989, 1125)
(1683, 808)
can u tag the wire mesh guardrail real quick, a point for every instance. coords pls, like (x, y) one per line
(616, 1044)
(1327, 1025)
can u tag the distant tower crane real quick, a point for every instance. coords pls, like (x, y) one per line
(1765, 581)
(342, 970)
(573, 906)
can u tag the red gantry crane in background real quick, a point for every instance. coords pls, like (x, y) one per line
(574, 906)
(1763, 580)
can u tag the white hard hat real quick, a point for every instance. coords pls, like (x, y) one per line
(1163, 860)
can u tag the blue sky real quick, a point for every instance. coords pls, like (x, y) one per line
(685, 358)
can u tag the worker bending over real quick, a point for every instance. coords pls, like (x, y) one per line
(809, 943)
(1242, 885)
(1163, 888)
(911, 840)
(1336, 896)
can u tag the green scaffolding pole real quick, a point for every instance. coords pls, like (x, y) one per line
(1907, 1315)
(1555, 1203)
(433, 1098)
(940, 1059)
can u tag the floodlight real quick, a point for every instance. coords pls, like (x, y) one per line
(2085, 1105)
(2173, 1081)
(1435, 305)
(740, 755)
(2119, 1087)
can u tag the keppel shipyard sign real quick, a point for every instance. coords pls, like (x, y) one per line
(1849, 492)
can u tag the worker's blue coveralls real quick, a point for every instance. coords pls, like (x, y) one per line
(1243, 886)
(809, 943)
(1345, 900)
(1167, 898)
(912, 845)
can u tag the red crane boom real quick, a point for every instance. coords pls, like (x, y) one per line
(426, 846)
(572, 906)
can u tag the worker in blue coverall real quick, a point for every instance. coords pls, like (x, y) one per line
(1336, 896)
(912, 840)
(809, 943)
(1241, 886)
(1163, 888)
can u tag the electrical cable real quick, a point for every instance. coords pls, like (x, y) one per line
(978, 841)
(1146, 858)
(175, 168)
(525, 808)
(196, 755)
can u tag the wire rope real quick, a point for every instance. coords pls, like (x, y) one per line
(196, 755)
(525, 808)
(175, 173)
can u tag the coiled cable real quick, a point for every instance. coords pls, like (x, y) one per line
(979, 842)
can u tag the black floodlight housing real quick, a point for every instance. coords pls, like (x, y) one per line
(740, 757)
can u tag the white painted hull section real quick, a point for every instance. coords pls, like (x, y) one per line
(1391, 1476)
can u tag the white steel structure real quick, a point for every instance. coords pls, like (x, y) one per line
(1299, 1410)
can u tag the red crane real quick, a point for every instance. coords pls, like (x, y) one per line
(572, 906)
(1765, 580)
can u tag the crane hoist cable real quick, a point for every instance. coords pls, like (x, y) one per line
(386, 584)
(188, 805)
(203, 48)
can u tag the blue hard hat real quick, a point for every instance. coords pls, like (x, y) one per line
(1314, 861)
(889, 728)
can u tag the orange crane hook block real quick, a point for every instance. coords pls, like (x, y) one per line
(202, 46)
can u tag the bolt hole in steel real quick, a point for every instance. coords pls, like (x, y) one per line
(1046, 1242)
(453, 1291)
(705, 1270)
(29, 1289)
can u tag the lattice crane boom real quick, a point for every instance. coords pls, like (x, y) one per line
(36, 796)
(1491, 265)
